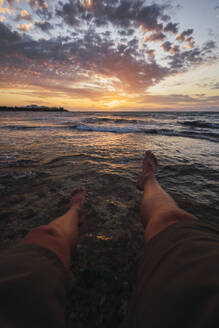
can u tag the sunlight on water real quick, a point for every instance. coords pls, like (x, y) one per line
(77, 145)
(103, 238)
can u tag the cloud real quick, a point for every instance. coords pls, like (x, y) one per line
(69, 13)
(208, 46)
(41, 8)
(151, 53)
(159, 36)
(2, 18)
(24, 27)
(7, 36)
(215, 86)
(200, 101)
(184, 35)
(38, 4)
(6, 11)
(24, 15)
(190, 42)
(44, 26)
(11, 2)
(80, 58)
(184, 60)
(84, 59)
(90, 57)
(169, 47)
(170, 27)
(121, 13)
(128, 32)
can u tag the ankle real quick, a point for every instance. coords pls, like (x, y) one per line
(148, 179)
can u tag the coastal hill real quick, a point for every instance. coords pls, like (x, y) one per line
(32, 108)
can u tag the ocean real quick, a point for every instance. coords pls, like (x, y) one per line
(45, 155)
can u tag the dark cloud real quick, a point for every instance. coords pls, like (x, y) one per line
(150, 53)
(133, 43)
(169, 47)
(168, 99)
(186, 37)
(184, 60)
(209, 46)
(166, 46)
(215, 86)
(171, 27)
(128, 32)
(7, 36)
(185, 34)
(181, 61)
(11, 2)
(68, 60)
(159, 36)
(200, 101)
(106, 34)
(41, 8)
(120, 13)
(44, 26)
(82, 55)
(69, 12)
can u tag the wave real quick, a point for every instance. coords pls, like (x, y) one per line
(134, 129)
(18, 127)
(116, 129)
(97, 120)
(130, 128)
(200, 124)
(19, 175)
(26, 127)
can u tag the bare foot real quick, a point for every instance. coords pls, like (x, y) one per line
(67, 224)
(149, 167)
(77, 200)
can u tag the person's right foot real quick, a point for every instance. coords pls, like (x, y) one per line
(77, 200)
(149, 167)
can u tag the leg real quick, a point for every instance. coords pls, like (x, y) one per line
(158, 209)
(34, 284)
(60, 236)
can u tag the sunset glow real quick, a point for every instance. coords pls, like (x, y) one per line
(103, 55)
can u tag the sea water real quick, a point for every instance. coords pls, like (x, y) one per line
(57, 151)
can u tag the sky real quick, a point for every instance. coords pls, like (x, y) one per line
(110, 54)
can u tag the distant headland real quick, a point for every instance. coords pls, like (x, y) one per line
(32, 108)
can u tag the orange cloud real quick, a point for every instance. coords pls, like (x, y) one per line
(38, 4)
(6, 10)
(24, 13)
(24, 27)
(88, 3)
